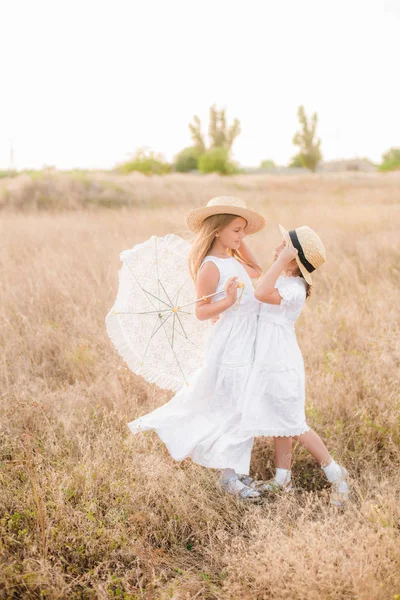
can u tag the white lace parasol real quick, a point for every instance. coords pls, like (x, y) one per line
(152, 323)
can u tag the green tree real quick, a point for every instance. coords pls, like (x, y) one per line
(216, 160)
(390, 160)
(187, 159)
(217, 156)
(197, 136)
(220, 135)
(267, 164)
(296, 162)
(310, 148)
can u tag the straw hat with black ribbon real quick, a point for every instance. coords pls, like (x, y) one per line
(225, 205)
(311, 251)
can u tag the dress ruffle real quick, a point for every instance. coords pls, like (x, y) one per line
(291, 294)
(287, 432)
(277, 382)
(230, 387)
(274, 402)
(202, 420)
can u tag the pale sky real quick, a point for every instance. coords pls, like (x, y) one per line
(85, 83)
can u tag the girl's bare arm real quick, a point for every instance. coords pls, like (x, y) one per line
(265, 289)
(207, 281)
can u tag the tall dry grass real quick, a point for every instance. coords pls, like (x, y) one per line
(87, 510)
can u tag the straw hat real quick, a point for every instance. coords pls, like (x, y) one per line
(311, 251)
(225, 205)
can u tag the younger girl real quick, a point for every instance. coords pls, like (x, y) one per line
(201, 421)
(275, 396)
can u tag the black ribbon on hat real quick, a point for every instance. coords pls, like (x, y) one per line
(297, 245)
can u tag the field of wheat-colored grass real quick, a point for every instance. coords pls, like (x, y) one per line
(87, 510)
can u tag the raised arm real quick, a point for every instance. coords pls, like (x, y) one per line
(265, 289)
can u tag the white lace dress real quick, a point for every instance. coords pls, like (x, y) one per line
(275, 395)
(201, 421)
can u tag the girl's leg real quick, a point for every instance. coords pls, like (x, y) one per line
(283, 459)
(311, 441)
(283, 452)
(336, 474)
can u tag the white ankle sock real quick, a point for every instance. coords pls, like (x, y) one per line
(282, 476)
(332, 471)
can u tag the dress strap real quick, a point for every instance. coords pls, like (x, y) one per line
(213, 259)
(208, 258)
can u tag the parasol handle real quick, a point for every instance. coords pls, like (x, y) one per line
(240, 285)
(176, 309)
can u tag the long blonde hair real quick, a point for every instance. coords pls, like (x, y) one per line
(204, 240)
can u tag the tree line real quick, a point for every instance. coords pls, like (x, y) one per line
(216, 156)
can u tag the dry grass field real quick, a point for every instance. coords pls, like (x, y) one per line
(87, 510)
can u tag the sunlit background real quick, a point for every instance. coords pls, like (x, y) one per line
(89, 511)
(86, 83)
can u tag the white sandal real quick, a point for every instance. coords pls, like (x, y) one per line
(246, 479)
(340, 491)
(244, 491)
(272, 486)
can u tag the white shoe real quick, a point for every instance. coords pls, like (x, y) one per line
(246, 479)
(340, 489)
(272, 486)
(236, 488)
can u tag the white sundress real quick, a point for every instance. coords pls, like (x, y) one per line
(201, 421)
(274, 402)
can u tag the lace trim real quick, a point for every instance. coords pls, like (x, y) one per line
(171, 240)
(275, 432)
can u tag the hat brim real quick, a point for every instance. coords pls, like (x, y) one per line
(195, 218)
(305, 273)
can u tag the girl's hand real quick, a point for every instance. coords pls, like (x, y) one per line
(215, 319)
(231, 288)
(288, 253)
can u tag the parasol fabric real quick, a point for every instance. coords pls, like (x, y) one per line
(152, 323)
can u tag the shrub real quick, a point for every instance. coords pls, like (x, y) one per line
(267, 164)
(217, 160)
(187, 160)
(9, 173)
(296, 162)
(148, 163)
(391, 160)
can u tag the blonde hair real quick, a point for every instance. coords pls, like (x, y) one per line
(204, 240)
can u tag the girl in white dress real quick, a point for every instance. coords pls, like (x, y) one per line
(275, 395)
(201, 421)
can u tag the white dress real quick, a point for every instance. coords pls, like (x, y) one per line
(201, 421)
(275, 395)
